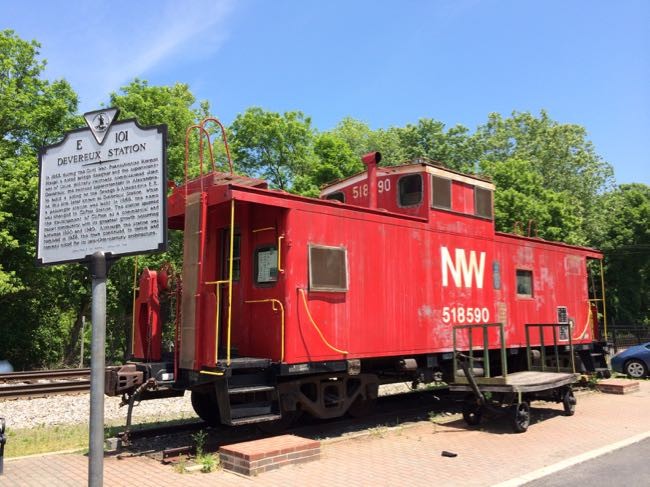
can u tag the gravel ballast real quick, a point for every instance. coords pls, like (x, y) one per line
(75, 409)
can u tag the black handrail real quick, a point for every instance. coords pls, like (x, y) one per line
(486, 357)
(540, 327)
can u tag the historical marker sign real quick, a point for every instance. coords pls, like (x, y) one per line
(103, 189)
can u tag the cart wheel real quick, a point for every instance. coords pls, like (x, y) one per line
(521, 417)
(472, 413)
(569, 402)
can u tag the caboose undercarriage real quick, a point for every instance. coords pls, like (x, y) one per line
(275, 395)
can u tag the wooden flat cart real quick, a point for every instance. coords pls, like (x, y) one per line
(511, 394)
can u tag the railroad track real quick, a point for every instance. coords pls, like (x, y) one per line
(166, 442)
(43, 383)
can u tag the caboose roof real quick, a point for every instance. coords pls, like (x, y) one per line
(416, 166)
(588, 251)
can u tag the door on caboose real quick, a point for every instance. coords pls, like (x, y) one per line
(263, 295)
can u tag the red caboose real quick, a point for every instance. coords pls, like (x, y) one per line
(292, 304)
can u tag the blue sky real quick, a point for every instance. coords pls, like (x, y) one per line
(384, 62)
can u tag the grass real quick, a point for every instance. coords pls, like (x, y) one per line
(181, 466)
(433, 419)
(209, 463)
(199, 439)
(46, 439)
(378, 431)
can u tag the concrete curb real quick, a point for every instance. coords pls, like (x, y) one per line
(569, 462)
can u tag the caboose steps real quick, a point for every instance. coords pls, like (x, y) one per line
(247, 394)
(250, 410)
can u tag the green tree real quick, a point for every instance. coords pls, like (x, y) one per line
(333, 160)
(34, 302)
(276, 147)
(362, 139)
(356, 134)
(560, 153)
(177, 107)
(626, 244)
(33, 111)
(453, 148)
(174, 106)
(522, 199)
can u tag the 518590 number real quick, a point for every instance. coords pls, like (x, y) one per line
(463, 314)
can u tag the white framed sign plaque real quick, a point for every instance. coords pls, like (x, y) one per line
(103, 188)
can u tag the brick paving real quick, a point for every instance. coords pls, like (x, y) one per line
(408, 455)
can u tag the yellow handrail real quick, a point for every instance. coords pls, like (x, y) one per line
(589, 320)
(210, 372)
(217, 294)
(217, 315)
(279, 303)
(304, 300)
(280, 269)
(602, 290)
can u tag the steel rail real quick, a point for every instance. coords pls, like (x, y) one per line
(44, 374)
(391, 409)
(43, 389)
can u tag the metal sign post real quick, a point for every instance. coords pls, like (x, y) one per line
(102, 195)
(99, 272)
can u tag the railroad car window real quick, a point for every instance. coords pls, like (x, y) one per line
(441, 192)
(338, 196)
(410, 190)
(496, 275)
(328, 269)
(524, 283)
(482, 202)
(236, 256)
(266, 265)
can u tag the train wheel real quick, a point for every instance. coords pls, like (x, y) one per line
(362, 407)
(472, 413)
(569, 402)
(206, 407)
(521, 417)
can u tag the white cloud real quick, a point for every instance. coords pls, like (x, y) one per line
(100, 46)
(180, 24)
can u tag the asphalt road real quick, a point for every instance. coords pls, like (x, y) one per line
(629, 467)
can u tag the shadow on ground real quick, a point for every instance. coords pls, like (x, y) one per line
(439, 406)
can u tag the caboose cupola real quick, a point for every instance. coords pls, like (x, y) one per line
(448, 199)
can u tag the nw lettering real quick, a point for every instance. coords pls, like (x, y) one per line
(462, 272)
